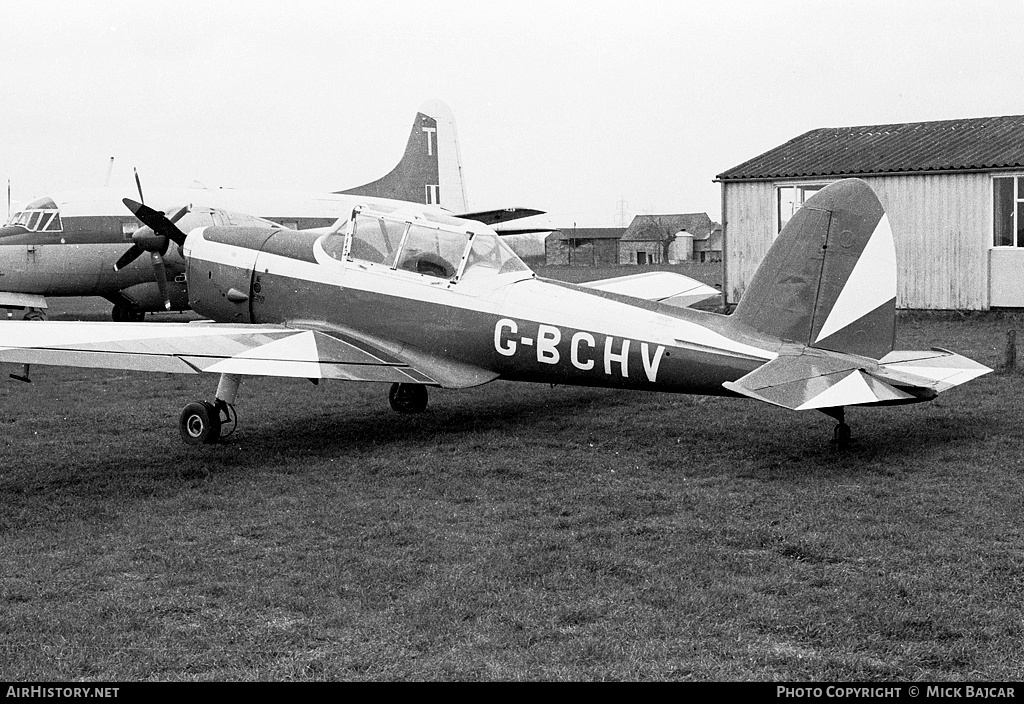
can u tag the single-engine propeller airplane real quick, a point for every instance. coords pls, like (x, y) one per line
(418, 299)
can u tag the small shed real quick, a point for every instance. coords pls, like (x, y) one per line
(583, 246)
(648, 238)
(953, 191)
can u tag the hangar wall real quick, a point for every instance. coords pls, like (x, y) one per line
(942, 226)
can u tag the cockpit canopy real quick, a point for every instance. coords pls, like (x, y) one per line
(425, 243)
(40, 215)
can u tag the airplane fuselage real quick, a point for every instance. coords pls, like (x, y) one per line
(514, 326)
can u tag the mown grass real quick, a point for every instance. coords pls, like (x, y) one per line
(512, 532)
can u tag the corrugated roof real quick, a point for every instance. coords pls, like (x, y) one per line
(982, 143)
(655, 228)
(587, 233)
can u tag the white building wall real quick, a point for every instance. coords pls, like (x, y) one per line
(942, 226)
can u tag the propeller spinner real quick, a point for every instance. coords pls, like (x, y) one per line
(157, 232)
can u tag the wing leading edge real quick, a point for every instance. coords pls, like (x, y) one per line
(659, 286)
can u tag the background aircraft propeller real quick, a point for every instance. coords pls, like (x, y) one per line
(157, 232)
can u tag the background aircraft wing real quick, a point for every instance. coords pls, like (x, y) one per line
(499, 215)
(661, 286)
(812, 378)
(190, 348)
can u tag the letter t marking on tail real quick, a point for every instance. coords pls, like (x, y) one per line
(430, 139)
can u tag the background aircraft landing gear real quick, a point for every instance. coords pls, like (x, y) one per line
(34, 314)
(126, 314)
(408, 398)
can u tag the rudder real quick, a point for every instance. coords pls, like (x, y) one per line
(829, 280)
(430, 170)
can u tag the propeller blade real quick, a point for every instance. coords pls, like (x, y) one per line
(157, 221)
(161, 278)
(128, 257)
(138, 183)
(178, 214)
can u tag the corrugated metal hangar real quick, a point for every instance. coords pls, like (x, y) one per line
(953, 190)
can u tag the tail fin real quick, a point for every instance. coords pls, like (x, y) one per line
(829, 281)
(431, 169)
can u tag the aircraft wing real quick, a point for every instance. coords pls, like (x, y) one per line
(191, 348)
(661, 286)
(814, 379)
(493, 217)
(22, 300)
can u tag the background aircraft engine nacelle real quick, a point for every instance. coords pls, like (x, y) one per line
(220, 267)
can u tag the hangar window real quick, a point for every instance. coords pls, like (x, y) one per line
(1007, 211)
(790, 199)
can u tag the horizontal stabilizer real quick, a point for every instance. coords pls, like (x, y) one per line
(937, 369)
(659, 286)
(816, 379)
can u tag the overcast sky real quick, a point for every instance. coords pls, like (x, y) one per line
(564, 106)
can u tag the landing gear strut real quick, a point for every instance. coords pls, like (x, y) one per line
(841, 433)
(408, 398)
(201, 422)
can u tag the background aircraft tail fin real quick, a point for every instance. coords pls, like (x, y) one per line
(829, 280)
(431, 169)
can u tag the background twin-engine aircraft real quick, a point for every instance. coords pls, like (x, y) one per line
(409, 295)
(67, 243)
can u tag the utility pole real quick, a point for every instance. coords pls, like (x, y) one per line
(623, 204)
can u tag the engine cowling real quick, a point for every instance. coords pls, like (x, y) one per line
(220, 270)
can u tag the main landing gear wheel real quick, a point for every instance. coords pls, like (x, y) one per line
(200, 423)
(126, 314)
(408, 398)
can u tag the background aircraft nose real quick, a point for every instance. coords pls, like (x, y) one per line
(11, 230)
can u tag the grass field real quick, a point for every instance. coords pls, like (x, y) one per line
(512, 532)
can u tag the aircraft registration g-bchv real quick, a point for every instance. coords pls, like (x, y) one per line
(418, 299)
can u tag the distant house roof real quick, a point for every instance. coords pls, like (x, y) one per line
(984, 143)
(587, 233)
(714, 236)
(656, 228)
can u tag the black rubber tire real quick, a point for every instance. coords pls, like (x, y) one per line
(126, 314)
(199, 423)
(841, 435)
(408, 398)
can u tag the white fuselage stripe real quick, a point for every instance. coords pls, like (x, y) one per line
(533, 300)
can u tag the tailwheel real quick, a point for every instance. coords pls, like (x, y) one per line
(200, 423)
(841, 435)
(408, 398)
